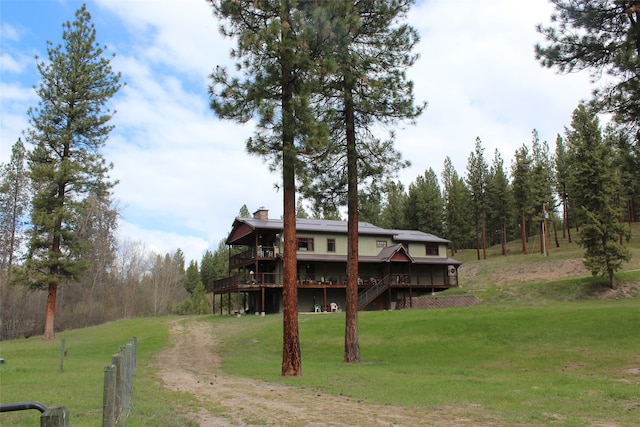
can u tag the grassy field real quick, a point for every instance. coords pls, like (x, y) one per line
(548, 345)
(31, 372)
(564, 363)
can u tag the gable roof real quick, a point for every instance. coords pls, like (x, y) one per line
(395, 252)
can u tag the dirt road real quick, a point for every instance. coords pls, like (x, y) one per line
(191, 365)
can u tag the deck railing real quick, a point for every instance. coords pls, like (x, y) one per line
(370, 293)
(252, 254)
(255, 280)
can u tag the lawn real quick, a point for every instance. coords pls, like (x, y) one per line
(565, 363)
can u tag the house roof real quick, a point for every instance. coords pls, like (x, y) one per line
(245, 226)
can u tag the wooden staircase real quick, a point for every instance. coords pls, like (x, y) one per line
(372, 292)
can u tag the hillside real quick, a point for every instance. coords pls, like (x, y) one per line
(503, 273)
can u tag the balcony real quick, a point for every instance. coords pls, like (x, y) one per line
(252, 255)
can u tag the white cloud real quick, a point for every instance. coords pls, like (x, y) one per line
(9, 32)
(163, 242)
(10, 64)
(478, 72)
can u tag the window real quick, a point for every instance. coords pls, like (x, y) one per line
(432, 249)
(305, 243)
(331, 245)
(381, 243)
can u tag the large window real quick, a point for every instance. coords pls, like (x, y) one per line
(305, 244)
(432, 249)
(331, 245)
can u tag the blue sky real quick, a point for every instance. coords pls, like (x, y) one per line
(184, 174)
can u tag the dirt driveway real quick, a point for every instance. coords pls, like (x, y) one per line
(191, 365)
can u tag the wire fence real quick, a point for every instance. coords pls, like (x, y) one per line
(118, 385)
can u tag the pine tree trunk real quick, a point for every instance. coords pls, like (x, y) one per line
(612, 279)
(49, 331)
(523, 233)
(568, 224)
(351, 344)
(565, 224)
(477, 240)
(291, 359)
(484, 239)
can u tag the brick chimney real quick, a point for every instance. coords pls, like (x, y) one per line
(261, 214)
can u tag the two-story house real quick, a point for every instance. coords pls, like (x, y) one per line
(393, 265)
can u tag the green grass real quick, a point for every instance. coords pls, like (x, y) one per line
(32, 373)
(567, 363)
(563, 363)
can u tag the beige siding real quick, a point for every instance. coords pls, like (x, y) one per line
(367, 245)
(418, 250)
(320, 243)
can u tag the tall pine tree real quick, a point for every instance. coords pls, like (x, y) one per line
(594, 190)
(392, 215)
(14, 207)
(477, 174)
(457, 204)
(424, 210)
(542, 201)
(366, 52)
(499, 201)
(521, 181)
(562, 166)
(274, 57)
(68, 129)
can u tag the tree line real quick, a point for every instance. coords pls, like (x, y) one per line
(589, 171)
